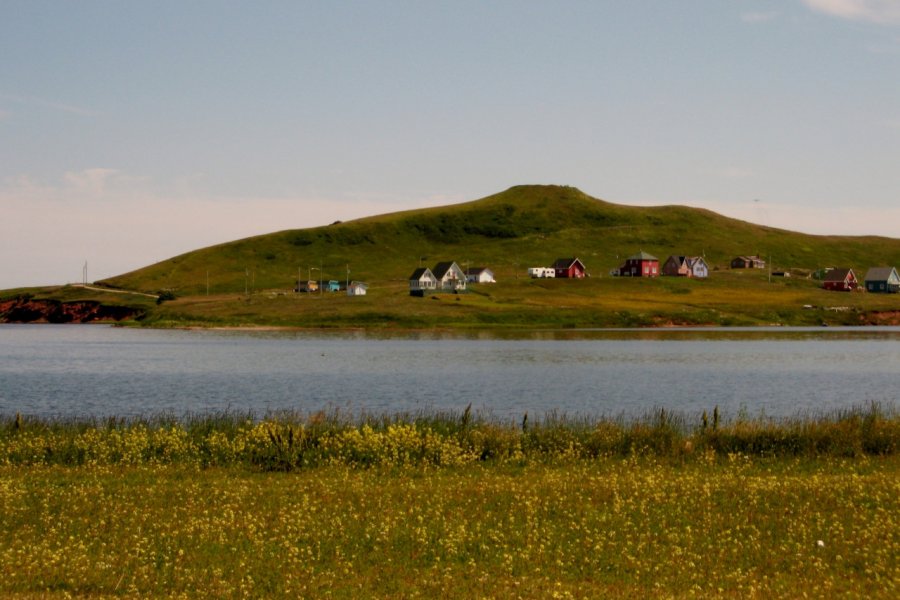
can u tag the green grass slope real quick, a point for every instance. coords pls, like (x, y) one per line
(521, 227)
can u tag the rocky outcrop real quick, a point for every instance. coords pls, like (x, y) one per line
(881, 317)
(29, 310)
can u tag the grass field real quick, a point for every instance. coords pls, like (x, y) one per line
(452, 506)
(727, 298)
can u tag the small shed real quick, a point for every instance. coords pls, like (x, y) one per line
(884, 280)
(480, 275)
(333, 286)
(357, 288)
(840, 280)
(568, 268)
(640, 265)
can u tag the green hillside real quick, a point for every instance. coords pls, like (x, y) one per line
(521, 227)
(250, 281)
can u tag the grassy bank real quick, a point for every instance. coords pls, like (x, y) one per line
(290, 442)
(727, 298)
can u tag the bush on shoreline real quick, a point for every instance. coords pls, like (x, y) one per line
(291, 441)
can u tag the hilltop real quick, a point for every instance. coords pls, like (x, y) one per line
(249, 281)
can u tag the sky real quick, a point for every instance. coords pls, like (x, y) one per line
(131, 132)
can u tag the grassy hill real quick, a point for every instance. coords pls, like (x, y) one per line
(510, 231)
(521, 227)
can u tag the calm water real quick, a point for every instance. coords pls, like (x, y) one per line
(72, 370)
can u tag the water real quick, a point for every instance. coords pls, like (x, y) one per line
(71, 370)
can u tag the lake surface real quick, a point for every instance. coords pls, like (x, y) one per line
(89, 370)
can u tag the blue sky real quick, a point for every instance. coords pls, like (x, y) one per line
(134, 131)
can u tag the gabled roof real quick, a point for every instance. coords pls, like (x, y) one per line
(642, 256)
(419, 273)
(566, 263)
(881, 273)
(441, 268)
(837, 274)
(693, 260)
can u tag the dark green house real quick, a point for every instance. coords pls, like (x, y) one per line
(882, 280)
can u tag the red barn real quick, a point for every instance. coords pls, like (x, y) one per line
(569, 268)
(640, 265)
(840, 280)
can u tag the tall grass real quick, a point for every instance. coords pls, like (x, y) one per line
(287, 441)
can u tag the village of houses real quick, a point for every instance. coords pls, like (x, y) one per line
(449, 277)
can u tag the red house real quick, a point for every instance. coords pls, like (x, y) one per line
(569, 268)
(640, 265)
(840, 280)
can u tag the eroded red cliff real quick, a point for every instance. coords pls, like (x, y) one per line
(29, 310)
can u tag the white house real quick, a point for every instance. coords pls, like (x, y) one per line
(357, 288)
(449, 276)
(541, 272)
(421, 280)
(480, 275)
(698, 267)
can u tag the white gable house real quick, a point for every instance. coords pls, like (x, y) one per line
(422, 280)
(357, 288)
(449, 276)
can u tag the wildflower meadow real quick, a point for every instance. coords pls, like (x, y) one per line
(451, 506)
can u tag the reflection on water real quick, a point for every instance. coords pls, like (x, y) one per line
(96, 370)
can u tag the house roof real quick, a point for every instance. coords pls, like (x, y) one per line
(419, 273)
(565, 263)
(642, 256)
(476, 270)
(837, 274)
(880, 273)
(441, 268)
